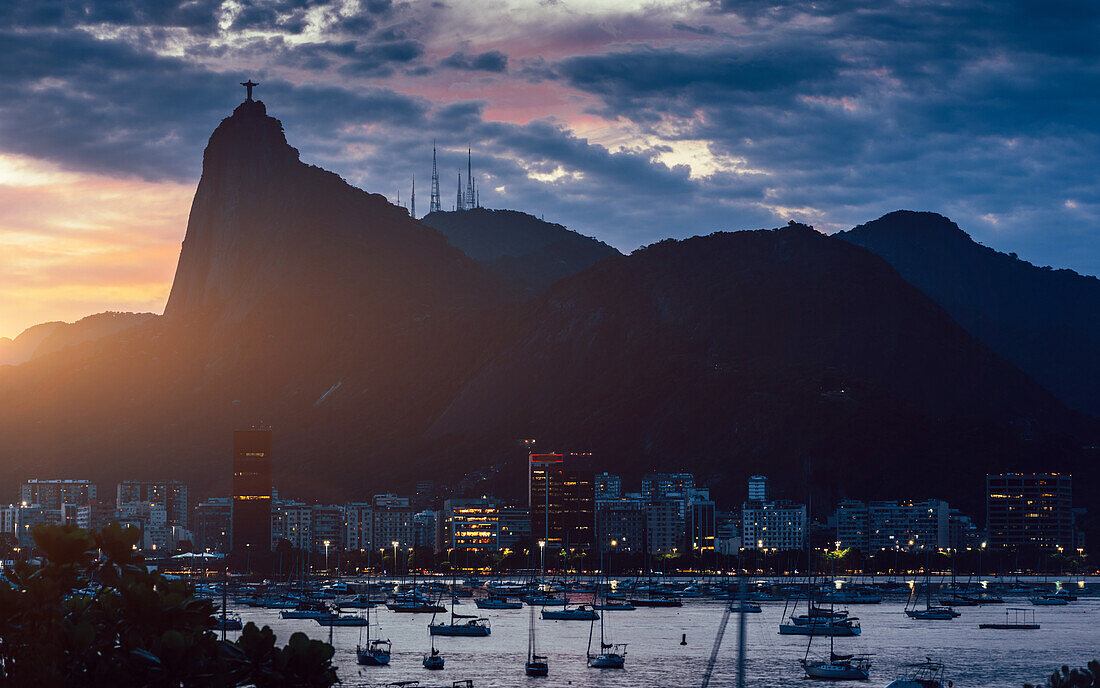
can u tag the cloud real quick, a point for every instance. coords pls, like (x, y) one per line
(629, 121)
(490, 61)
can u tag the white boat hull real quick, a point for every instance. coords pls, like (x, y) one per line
(608, 661)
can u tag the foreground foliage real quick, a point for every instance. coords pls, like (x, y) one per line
(1073, 678)
(91, 614)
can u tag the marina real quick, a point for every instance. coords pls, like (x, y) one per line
(669, 646)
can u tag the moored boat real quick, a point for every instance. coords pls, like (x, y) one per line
(581, 613)
(839, 627)
(926, 674)
(838, 668)
(496, 602)
(341, 620)
(657, 602)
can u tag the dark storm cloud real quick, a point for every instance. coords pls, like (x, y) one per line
(701, 30)
(110, 107)
(196, 15)
(490, 61)
(840, 110)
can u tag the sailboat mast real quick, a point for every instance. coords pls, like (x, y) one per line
(531, 635)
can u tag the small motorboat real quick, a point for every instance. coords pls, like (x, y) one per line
(657, 602)
(230, 622)
(1049, 601)
(836, 627)
(1021, 621)
(746, 607)
(307, 610)
(341, 620)
(544, 601)
(1063, 594)
(415, 607)
(357, 602)
(581, 613)
(932, 614)
(477, 627)
(495, 602)
(926, 674)
(614, 607)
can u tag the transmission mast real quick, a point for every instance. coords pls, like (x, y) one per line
(434, 206)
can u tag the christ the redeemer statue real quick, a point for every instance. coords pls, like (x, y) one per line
(248, 88)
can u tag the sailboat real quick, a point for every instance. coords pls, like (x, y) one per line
(611, 655)
(930, 613)
(474, 626)
(536, 663)
(434, 660)
(376, 652)
(837, 667)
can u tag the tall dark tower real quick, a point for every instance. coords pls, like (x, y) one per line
(412, 201)
(458, 196)
(469, 200)
(434, 205)
(251, 518)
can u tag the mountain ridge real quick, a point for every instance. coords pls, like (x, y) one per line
(1041, 319)
(519, 247)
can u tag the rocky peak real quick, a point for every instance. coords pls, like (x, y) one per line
(248, 144)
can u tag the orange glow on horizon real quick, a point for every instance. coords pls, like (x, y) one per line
(74, 244)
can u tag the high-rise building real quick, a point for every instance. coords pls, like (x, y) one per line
(213, 524)
(292, 522)
(700, 524)
(51, 494)
(328, 527)
(777, 525)
(656, 486)
(1030, 509)
(472, 524)
(665, 526)
(562, 500)
(171, 495)
(358, 526)
(758, 488)
(515, 527)
(10, 519)
(728, 533)
(898, 524)
(394, 521)
(428, 530)
(251, 490)
(608, 487)
(621, 525)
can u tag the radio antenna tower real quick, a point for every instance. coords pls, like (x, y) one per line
(469, 200)
(434, 205)
(412, 201)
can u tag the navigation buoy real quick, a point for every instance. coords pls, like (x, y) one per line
(684, 639)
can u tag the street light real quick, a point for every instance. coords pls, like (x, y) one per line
(395, 543)
(542, 557)
(327, 543)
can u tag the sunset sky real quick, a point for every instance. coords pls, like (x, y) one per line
(628, 121)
